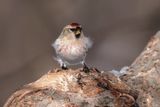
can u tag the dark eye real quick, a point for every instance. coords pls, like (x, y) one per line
(73, 30)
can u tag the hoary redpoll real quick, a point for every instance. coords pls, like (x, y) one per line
(71, 46)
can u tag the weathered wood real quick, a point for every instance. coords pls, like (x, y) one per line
(74, 88)
(144, 74)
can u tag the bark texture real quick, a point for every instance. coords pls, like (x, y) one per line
(144, 74)
(74, 88)
(140, 87)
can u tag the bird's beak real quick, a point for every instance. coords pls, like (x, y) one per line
(78, 32)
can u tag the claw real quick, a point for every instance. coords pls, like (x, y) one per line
(85, 68)
(64, 67)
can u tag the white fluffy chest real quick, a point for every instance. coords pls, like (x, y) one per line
(71, 51)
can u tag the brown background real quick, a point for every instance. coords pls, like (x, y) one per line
(119, 28)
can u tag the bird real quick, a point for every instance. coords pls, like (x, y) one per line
(71, 46)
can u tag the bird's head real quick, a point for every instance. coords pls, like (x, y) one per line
(73, 30)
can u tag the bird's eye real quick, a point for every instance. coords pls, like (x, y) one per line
(73, 30)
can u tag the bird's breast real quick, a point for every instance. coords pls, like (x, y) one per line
(72, 51)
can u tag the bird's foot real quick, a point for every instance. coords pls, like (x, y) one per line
(85, 68)
(64, 67)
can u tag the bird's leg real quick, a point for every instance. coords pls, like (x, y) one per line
(62, 64)
(85, 68)
(64, 67)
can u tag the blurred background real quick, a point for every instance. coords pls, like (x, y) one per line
(120, 30)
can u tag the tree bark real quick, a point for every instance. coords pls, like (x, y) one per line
(144, 74)
(139, 87)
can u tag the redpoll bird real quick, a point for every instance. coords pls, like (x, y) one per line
(71, 46)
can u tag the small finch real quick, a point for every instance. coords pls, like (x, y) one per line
(71, 46)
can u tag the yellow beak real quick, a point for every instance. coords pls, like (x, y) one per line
(78, 32)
